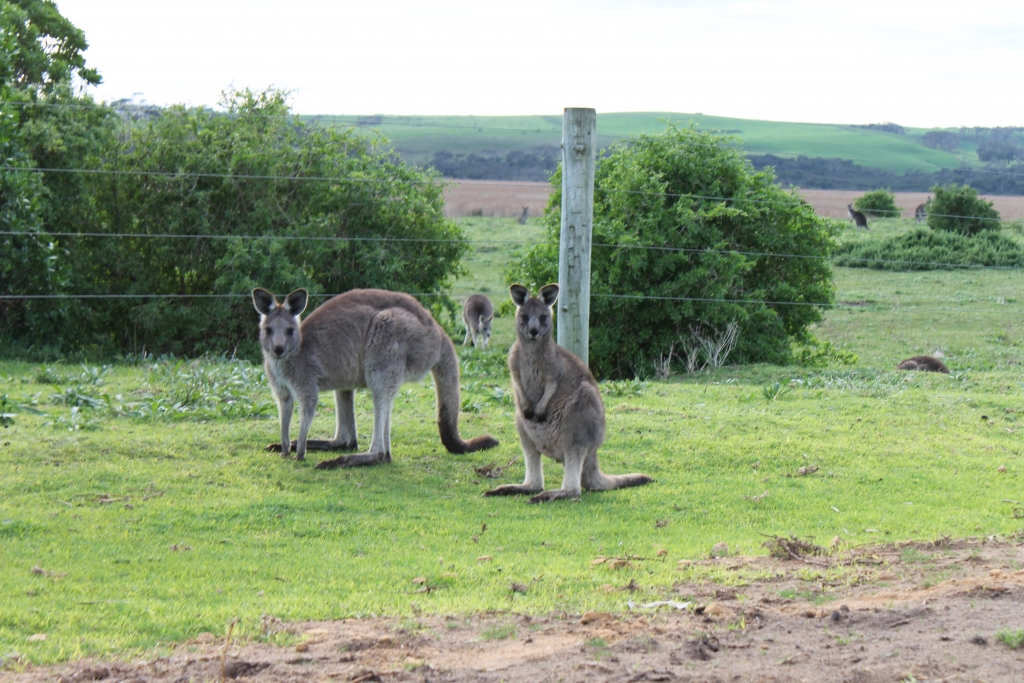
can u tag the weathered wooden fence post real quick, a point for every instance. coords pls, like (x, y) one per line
(579, 137)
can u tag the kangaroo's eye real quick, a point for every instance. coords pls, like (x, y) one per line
(525, 318)
(289, 331)
(543, 320)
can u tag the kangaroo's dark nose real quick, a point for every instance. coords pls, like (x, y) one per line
(278, 350)
(534, 333)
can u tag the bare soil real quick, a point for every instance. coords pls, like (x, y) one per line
(909, 612)
(503, 198)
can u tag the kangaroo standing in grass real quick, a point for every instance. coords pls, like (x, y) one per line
(559, 411)
(363, 338)
(525, 215)
(859, 219)
(477, 314)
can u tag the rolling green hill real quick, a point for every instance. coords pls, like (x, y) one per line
(419, 138)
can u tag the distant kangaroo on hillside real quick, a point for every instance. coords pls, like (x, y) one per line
(559, 411)
(477, 315)
(362, 338)
(920, 214)
(525, 216)
(924, 363)
(858, 218)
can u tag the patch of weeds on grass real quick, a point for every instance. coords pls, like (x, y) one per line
(773, 392)
(1012, 639)
(74, 422)
(6, 413)
(499, 632)
(623, 388)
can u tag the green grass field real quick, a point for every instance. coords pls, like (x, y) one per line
(417, 138)
(137, 506)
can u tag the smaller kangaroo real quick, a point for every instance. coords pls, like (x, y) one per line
(859, 219)
(525, 216)
(477, 314)
(920, 214)
(923, 363)
(559, 411)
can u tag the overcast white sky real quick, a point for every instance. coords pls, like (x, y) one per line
(915, 63)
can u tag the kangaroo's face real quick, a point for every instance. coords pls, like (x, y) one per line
(533, 315)
(483, 328)
(279, 322)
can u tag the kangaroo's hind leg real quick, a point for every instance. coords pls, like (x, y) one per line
(534, 481)
(574, 459)
(345, 438)
(384, 384)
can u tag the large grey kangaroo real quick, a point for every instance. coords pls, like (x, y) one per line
(477, 315)
(559, 411)
(362, 338)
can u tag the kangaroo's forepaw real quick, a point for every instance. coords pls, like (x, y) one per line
(540, 417)
(557, 494)
(528, 413)
(510, 490)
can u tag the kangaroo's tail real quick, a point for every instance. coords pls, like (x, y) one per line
(446, 383)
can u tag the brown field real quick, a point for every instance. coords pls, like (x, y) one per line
(907, 612)
(503, 198)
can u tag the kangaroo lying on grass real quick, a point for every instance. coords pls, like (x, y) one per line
(477, 315)
(362, 338)
(559, 411)
(925, 363)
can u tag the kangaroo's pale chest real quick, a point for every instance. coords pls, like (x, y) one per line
(277, 375)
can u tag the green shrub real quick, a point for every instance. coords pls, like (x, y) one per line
(815, 353)
(880, 203)
(924, 249)
(958, 208)
(212, 178)
(725, 208)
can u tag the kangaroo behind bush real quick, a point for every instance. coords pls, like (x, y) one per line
(924, 363)
(920, 214)
(859, 219)
(477, 315)
(362, 338)
(559, 411)
(526, 215)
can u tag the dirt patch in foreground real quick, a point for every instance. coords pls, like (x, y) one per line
(912, 612)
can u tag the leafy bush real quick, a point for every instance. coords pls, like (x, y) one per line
(688, 191)
(880, 203)
(924, 249)
(815, 353)
(958, 208)
(321, 207)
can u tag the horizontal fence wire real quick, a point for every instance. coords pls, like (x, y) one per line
(869, 305)
(447, 181)
(939, 265)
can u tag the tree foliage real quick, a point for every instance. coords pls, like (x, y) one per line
(958, 208)
(194, 202)
(716, 224)
(880, 203)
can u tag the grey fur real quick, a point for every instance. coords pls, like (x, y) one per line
(559, 411)
(924, 363)
(859, 219)
(920, 214)
(525, 216)
(364, 338)
(477, 315)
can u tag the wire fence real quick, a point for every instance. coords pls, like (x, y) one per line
(372, 121)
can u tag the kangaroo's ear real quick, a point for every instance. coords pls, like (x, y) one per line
(488, 318)
(519, 294)
(263, 300)
(296, 301)
(548, 294)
